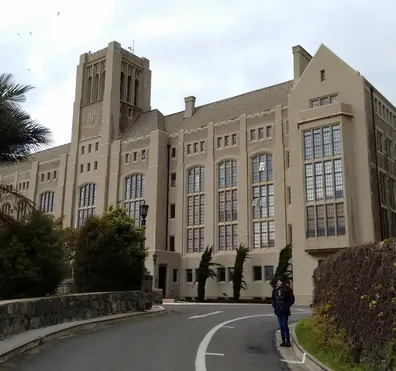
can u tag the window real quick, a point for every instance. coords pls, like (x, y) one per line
(136, 93)
(42, 177)
(88, 166)
(268, 272)
(126, 158)
(173, 152)
(82, 149)
(134, 195)
(189, 149)
(253, 134)
(322, 75)
(143, 154)
(81, 168)
(86, 203)
(263, 202)
(89, 148)
(261, 133)
(54, 174)
(324, 187)
(173, 180)
(96, 165)
(230, 273)
(257, 274)
(134, 156)
(324, 101)
(202, 146)
(48, 176)
(195, 147)
(189, 275)
(289, 195)
(196, 209)
(268, 131)
(21, 210)
(287, 155)
(172, 211)
(227, 140)
(6, 208)
(219, 142)
(379, 141)
(221, 274)
(122, 86)
(228, 205)
(171, 243)
(96, 146)
(234, 139)
(47, 202)
(175, 275)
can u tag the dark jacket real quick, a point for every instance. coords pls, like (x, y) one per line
(282, 301)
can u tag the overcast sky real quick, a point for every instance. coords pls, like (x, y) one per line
(211, 49)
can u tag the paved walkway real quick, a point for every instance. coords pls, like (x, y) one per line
(190, 337)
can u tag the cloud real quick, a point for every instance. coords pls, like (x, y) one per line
(209, 49)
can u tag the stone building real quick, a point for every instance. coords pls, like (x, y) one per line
(308, 161)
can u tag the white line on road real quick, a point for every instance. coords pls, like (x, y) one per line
(200, 359)
(228, 327)
(215, 354)
(296, 362)
(215, 304)
(206, 315)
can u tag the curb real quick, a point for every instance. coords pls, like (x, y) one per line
(72, 328)
(310, 362)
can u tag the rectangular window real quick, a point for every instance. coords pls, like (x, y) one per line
(268, 272)
(189, 275)
(89, 148)
(234, 139)
(315, 103)
(195, 147)
(311, 230)
(268, 130)
(88, 166)
(82, 149)
(257, 273)
(96, 165)
(54, 175)
(42, 177)
(289, 195)
(81, 168)
(221, 274)
(287, 155)
(172, 243)
(322, 75)
(189, 149)
(48, 176)
(173, 180)
(219, 142)
(230, 273)
(172, 211)
(143, 154)
(227, 140)
(202, 146)
(253, 134)
(96, 146)
(261, 133)
(126, 158)
(173, 152)
(175, 275)
(134, 156)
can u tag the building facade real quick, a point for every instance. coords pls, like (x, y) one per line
(309, 161)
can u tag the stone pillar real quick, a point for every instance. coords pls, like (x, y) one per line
(210, 203)
(60, 187)
(180, 241)
(33, 182)
(114, 178)
(244, 208)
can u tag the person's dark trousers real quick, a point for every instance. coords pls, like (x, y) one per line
(284, 328)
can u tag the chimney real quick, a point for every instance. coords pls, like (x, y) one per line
(301, 59)
(189, 109)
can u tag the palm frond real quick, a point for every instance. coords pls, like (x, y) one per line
(12, 93)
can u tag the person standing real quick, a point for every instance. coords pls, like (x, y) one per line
(282, 300)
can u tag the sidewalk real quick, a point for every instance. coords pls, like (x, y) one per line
(21, 343)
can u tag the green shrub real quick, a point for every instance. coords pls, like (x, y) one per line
(31, 257)
(108, 254)
(357, 289)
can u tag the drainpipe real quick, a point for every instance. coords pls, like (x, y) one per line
(167, 202)
(376, 160)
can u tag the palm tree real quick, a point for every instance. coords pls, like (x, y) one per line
(238, 282)
(205, 271)
(20, 136)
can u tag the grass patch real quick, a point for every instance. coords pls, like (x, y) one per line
(331, 352)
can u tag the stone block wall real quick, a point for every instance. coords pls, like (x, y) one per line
(157, 296)
(17, 316)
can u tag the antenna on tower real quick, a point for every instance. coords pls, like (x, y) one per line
(132, 49)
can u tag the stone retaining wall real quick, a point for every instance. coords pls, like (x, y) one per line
(17, 316)
(157, 296)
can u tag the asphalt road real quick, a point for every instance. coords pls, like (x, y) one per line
(218, 339)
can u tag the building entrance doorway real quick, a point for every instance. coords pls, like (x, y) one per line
(162, 276)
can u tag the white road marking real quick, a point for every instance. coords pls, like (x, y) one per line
(216, 304)
(296, 362)
(206, 315)
(302, 310)
(215, 354)
(228, 327)
(200, 360)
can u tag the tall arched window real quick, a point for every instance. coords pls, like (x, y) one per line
(96, 88)
(6, 208)
(21, 210)
(196, 209)
(136, 93)
(129, 89)
(89, 90)
(263, 202)
(102, 84)
(134, 195)
(86, 203)
(228, 205)
(122, 86)
(47, 202)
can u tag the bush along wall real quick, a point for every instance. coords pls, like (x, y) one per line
(355, 299)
